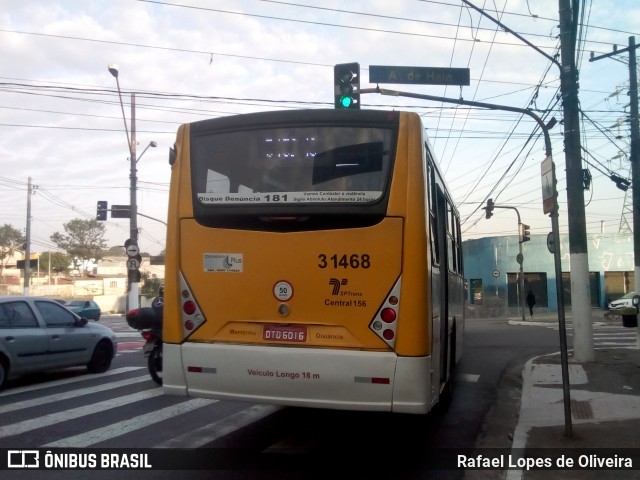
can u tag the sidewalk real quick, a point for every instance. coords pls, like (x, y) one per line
(604, 403)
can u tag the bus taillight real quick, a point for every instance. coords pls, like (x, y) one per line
(388, 315)
(189, 307)
(192, 316)
(385, 323)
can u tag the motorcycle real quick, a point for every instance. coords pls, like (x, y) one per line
(148, 320)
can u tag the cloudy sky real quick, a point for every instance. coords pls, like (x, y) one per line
(61, 122)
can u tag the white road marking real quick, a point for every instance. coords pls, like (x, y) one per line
(66, 381)
(58, 417)
(126, 426)
(35, 402)
(212, 431)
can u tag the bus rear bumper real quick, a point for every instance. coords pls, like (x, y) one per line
(304, 377)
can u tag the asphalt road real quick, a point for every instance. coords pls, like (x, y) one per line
(124, 409)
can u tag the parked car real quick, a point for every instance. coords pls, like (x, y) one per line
(624, 301)
(38, 334)
(85, 308)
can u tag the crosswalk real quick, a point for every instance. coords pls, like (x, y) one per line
(608, 336)
(120, 408)
(614, 336)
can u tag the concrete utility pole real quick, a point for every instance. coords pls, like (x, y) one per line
(133, 222)
(27, 248)
(634, 154)
(635, 157)
(579, 260)
(578, 255)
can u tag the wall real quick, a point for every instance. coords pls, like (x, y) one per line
(493, 259)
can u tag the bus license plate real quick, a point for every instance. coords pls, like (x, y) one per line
(284, 333)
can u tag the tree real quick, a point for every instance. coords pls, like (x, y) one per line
(11, 241)
(116, 251)
(151, 285)
(83, 241)
(60, 262)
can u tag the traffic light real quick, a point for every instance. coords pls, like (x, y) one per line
(346, 78)
(134, 276)
(489, 208)
(525, 233)
(101, 214)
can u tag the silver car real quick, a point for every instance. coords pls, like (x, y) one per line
(624, 301)
(38, 334)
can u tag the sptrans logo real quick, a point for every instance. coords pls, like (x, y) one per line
(336, 284)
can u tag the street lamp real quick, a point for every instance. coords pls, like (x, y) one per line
(134, 272)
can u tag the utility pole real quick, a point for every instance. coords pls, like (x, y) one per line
(133, 263)
(635, 157)
(27, 248)
(133, 221)
(634, 154)
(578, 256)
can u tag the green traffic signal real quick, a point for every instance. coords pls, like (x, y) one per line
(346, 79)
(346, 102)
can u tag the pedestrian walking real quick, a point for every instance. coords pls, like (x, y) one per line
(531, 301)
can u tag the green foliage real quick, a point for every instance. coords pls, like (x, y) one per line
(83, 241)
(11, 242)
(151, 285)
(116, 251)
(60, 262)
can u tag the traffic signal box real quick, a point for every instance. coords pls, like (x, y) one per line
(101, 214)
(525, 233)
(489, 208)
(346, 78)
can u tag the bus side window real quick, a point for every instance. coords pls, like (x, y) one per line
(433, 218)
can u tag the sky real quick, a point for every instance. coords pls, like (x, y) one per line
(62, 126)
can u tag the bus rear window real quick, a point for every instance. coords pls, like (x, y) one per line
(306, 165)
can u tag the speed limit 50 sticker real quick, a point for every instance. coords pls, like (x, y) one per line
(283, 291)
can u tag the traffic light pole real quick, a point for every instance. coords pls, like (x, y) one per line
(554, 226)
(520, 260)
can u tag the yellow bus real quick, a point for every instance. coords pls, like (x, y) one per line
(313, 259)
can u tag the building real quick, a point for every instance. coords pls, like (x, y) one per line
(491, 271)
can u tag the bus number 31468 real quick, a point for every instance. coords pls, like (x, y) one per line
(344, 261)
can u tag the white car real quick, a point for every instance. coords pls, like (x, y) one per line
(624, 301)
(38, 334)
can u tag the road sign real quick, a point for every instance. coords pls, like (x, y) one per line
(419, 75)
(133, 263)
(133, 250)
(547, 171)
(551, 246)
(120, 211)
(496, 273)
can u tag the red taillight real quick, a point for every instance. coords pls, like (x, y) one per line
(388, 315)
(385, 323)
(189, 307)
(148, 335)
(388, 334)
